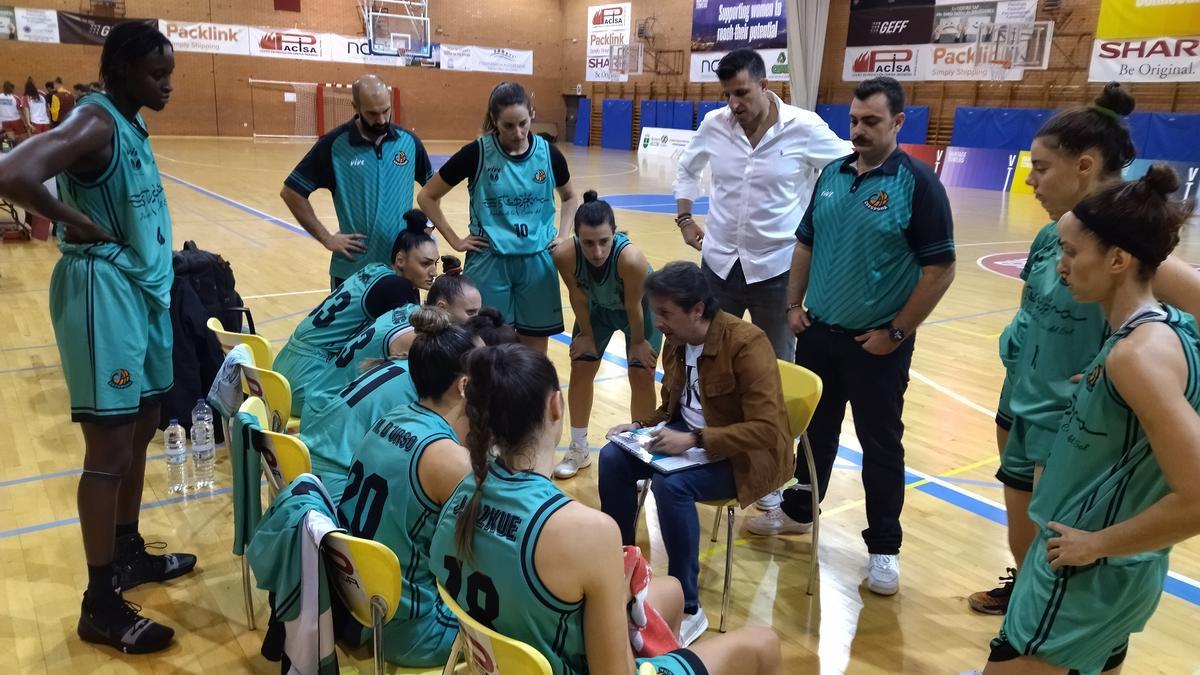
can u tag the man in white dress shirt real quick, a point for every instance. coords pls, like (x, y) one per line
(765, 156)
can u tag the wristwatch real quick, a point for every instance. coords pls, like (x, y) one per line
(896, 334)
(699, 434)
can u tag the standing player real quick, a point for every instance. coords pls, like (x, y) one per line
(108, 301)
(354, 304)
(37, 112)
(569, 599)
(604, 274)
(388, 336)
(12, 120)
(512, 175)
(370, 165)
(1119, 486)
(1053, 337)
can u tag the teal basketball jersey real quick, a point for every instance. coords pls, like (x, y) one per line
(334, 432)
(512, 200)
(602, 285)
(384, 501)
(1060, 336)
(126, 201)
(501, 589)
(1101, 469)
(370, 343)
(342, 314)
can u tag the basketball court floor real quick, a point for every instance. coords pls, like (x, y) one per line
(224, 195)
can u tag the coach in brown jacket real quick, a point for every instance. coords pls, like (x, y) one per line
(720, 392)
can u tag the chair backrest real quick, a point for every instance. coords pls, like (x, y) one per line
(801, 392)
(490, 653)
(285, 457)
(259, 347)
(275, 392)
(365, 574)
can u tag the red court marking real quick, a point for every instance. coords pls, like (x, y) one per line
(1004, 264)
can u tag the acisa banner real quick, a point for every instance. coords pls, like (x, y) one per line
(82, 29)
(721, 26)
(1147, 41)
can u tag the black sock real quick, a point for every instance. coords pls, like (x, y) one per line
(691, 610)
(127, 529)
(101, 581)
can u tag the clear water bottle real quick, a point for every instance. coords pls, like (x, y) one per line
(177, 455)
(203, 447)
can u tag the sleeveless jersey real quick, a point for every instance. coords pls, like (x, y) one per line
(334, 432)
(369, 343)
(1060, 336)
(512, 200)
(10, 108)
(1101, 469)
(501, 589)
(602, 285)
(126, 201)
(342, 314)
(384, 500)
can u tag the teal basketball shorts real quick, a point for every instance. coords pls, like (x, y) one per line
(678, 662)
(524, 288)
(605, 322)
(114, 345)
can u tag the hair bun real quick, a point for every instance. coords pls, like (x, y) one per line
(416, 221)
(430, 320)
(1116, 98)
(590, 196)
(1161, 179)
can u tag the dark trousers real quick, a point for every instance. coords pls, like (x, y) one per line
(766, 300)
(874, 387)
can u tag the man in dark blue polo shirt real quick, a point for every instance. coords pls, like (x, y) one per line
(874, 257)
(370, 165)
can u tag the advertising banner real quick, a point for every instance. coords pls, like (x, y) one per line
(8, 23)
(487, 59)
(356, 49)
(1148, 18)
(1147, 41)
(659, 142)
(721, 26)
(36, 25)
(207, 38)
(608, 25)
(982, 168)
(892, 26)
(288, 43)
(84, 29)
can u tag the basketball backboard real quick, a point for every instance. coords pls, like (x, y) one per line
(397, 28)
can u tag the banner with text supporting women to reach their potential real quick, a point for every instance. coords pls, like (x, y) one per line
(1147, 41)
(721, 26)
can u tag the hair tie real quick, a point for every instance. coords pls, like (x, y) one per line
(1107, 112)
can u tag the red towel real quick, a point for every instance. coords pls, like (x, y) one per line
(649, 633)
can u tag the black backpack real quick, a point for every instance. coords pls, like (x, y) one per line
(212, 278)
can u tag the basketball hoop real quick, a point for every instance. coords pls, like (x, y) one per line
(1003, 47)
(625, 60)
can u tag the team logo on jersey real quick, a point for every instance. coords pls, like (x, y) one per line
(493, 173)
(120, 379)
(134, 160)
(161, 238)
(1094, 377)
(540, 176)
(877, 201)
(401, 159)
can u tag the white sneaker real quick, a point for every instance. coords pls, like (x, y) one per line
(776, 522)
(771, 501)
(883, 576)
(692, 627)
(577, 457)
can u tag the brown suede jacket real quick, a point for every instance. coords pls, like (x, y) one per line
(744, 415)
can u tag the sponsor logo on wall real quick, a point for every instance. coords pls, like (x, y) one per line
(866, 62)
(721, 26)
(487, 59)
(1147, 41)
(607, 25)
(704, 65)
(83, 29)
(36, 25)
(209, 38)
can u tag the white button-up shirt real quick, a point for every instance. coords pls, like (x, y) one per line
(759, 194)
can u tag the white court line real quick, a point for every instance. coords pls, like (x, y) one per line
(953, 394)
(280, 295)
(992, 243)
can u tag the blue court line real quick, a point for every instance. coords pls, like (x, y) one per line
(18, 349)
(237, 205)
(29, 368)
(16, 532)
(566, 340)
(60, 474)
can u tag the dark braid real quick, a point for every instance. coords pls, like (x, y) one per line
(127, 42)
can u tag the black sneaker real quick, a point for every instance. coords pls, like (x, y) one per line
(120, 625)
(135, 566)
(995, 601)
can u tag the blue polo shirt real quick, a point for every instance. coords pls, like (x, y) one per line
(870, 236)
(372, 186)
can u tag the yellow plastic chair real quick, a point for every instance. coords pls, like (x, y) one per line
(264, 357)
(490, 653)
(647, 669)
(366, 576)
(276, 392)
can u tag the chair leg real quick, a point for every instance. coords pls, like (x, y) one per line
(377, 636)
(452, 661)
(728, 566)
(815, 492)
(716, 526)
(641, 501)
(247, 593)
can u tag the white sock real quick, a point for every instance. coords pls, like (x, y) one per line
(579, 436)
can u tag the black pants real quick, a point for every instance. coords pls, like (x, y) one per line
(874, 387)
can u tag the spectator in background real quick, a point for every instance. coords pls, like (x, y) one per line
(37, 111)
(61, 103)
(80, 90)
(12, 121)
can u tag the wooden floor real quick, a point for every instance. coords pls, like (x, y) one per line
(224, 195)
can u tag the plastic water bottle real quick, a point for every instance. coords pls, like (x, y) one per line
(202, 445)
(176, 449)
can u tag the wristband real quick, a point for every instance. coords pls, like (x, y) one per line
(682, 218)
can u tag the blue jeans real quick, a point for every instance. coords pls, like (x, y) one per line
(676, 494)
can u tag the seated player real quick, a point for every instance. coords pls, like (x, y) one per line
(604, 273)
(403, 471)
(524, 570)
(388, 336)
(1119, 487)
(334, 432)
(365, 296)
